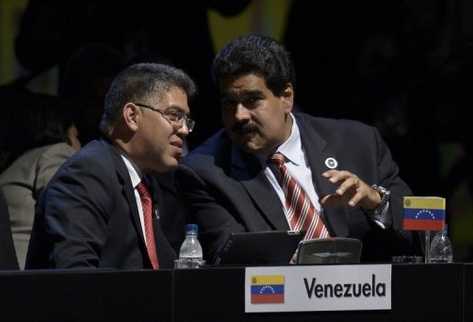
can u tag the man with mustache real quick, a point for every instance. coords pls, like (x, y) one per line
(274, 169)
(105, 207)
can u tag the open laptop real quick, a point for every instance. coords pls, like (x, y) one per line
(259, 248)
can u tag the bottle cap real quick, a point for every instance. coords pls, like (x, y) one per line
(192, 228)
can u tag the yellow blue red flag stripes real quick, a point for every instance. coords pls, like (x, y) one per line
(267, 289)
(424, 213)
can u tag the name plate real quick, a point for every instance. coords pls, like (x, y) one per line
(317, 288)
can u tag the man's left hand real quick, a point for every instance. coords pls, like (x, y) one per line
(351, 191)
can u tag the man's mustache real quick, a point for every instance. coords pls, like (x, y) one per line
(244, 128)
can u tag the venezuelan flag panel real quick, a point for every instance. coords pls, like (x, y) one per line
(424, 213)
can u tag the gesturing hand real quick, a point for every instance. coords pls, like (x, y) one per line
(351, 190)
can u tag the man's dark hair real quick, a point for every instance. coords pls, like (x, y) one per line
(255, 54)
(137, 83)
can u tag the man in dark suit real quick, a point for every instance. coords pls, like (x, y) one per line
(337, 173)
(104, 206)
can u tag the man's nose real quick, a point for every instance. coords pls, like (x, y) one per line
(183, 131)
(241, 113)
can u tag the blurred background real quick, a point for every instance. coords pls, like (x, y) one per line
(403, 66)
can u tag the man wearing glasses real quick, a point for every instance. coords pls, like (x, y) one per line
(112, 204)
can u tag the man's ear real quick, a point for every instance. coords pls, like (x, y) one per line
(131, 116)
(287, 97)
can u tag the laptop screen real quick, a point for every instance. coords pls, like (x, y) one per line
(259, 248)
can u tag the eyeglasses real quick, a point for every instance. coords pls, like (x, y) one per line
(174, 117)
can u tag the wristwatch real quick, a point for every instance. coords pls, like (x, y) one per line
(384, 194)
(380, 213)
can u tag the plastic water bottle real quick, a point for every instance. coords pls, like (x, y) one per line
(190, 254)
(441, 248)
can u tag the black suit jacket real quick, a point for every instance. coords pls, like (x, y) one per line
(88, 217)
(228, 191)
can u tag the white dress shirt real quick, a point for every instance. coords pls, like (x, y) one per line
(135, 181)
(297, 166)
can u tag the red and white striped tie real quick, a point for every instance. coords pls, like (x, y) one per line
(301, 213)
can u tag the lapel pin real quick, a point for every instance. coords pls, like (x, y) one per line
(331, 163)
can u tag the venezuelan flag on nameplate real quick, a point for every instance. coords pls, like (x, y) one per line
(267, 289)
(424, 213)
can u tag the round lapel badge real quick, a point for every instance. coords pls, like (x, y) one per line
(331, 163)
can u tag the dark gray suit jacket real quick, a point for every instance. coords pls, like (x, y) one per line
(228, 191)
(88, 217)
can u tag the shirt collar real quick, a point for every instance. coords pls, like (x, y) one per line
(292, 147)
(132, 170)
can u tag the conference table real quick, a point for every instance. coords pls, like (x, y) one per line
(420, 292)
(467, 286)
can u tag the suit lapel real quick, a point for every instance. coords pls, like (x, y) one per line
(128, 192)
(164, 250)
(317, 150)
(247, 170)
(157, 196)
